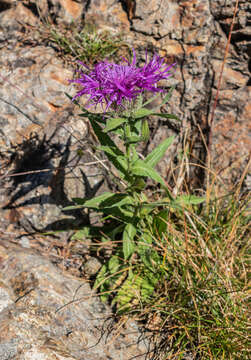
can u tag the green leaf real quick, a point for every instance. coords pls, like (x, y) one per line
(92, 203)
(86, 203)
(139, 102)
(141, 168)
(134, 154)
(189, 200)
(114, 123)
(167, 97)
(119, 213)
(160, 222)
(147, 237)
(114, 154)
(117, 159)
(101, 276)
(109, 203)
(117, 200)
(137, 287)
(72, 207)
(145, 133)
(139, 184)
(140, 113)
(135, 129)
(81, 234)
(79, 201)
(115, 231)
(127, 292)
(86, 113)
(69, 96)
(95, 202)
(128, 242)
(102, 283)
(133, 139)
(148, 286)
(119, 131)
(157, 154)
(113, 264)
(169, 204)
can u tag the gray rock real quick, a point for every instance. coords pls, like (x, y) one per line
(8, 351)
(5, 298)
(55, 315)
(92, 266)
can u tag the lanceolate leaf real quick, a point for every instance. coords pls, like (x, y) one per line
(133, 139)
(157, 154)
(73, 207)
(189, 200)
(117, 200)
(128, 240)
(114, 154)
(140, 113)
(114, 123)
(95, 202)
(108, 203)
(141, 168)
(120, 213)
(116, 157)
(104, 139)
(167, 97)
(145, 133)
(134, 154)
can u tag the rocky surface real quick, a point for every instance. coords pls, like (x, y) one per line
(194, 33)
(44, 140)
(40, 320)
(40, 130)
(38, 125)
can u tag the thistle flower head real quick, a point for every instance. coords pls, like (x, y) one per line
(113, 84)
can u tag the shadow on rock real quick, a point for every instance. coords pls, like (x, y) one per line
(41, 167)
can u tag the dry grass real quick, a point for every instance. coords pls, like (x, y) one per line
(201, 301)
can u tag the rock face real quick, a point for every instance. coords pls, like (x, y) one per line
(39, 130)
(42, 138)
(32, 325)
(194, 33)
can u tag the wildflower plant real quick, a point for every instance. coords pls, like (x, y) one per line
(128, 215)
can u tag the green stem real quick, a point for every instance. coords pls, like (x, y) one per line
(128, 146)
(127, 134)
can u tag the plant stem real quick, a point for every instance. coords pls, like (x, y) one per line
(128, 146)
(127, 134)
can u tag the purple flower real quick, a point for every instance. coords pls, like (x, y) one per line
(153, 72)
(112, 84)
